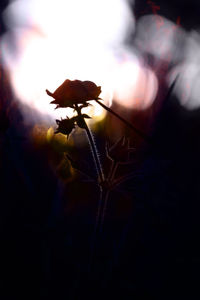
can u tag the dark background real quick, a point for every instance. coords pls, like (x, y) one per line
(150, 245)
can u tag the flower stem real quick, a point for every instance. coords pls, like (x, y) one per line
(97, 228)
(110, 178)
(94, 153)
(102, 202)
(140, 133)
(101, 179)
(92, 146)
(104, 209)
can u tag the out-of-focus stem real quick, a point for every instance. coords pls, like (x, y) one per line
(141, 134)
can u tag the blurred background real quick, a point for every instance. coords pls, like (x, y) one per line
(134, 50)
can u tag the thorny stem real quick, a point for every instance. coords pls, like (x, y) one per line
(101, 180)
(106, 195)
(94, 152)
(105, 191)
(111, 175)
(97, 230)
(141, 134)
(93, 147)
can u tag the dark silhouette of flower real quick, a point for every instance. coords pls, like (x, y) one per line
(73, 92)
(65, 126)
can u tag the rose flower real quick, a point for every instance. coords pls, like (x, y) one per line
(72, 92)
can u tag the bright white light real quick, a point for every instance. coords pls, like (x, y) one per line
(187, 87)
(168, 42)
(63, 39)
(134, 86)
(160, 37)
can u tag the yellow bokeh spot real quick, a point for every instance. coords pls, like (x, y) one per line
(50, 133)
